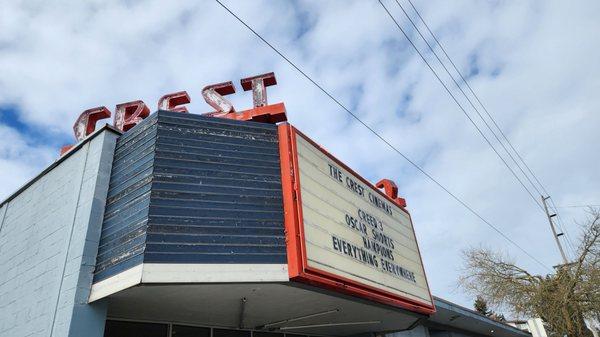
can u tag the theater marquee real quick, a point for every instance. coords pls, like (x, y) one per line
(345, 234)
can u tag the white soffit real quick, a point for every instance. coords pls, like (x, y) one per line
(189, 273)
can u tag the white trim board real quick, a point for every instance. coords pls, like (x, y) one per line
(213, 273)
(189, 273)
(116, 283)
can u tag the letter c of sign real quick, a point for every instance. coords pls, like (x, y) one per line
(86, 122)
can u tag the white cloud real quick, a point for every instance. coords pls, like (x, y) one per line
(60, 58)
(19, 159)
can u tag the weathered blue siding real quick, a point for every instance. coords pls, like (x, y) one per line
(216, 194)
(192, 189)
(123, 236)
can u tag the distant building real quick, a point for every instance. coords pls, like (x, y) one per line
(535, 326)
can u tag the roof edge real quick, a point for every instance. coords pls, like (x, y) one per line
(62, 158)
(466, 311)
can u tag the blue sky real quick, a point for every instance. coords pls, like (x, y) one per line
(533, 63)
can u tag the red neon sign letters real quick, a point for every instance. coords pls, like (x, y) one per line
(129, 114)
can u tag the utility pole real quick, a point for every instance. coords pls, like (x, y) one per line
(550, 216)
(590, 323)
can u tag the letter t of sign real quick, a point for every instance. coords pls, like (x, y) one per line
(258, 85)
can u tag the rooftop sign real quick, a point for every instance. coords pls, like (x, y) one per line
(129, 114)
(344, 233)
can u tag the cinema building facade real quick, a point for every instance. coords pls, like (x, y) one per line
(218, 225)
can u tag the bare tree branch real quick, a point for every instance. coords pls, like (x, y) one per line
(563, 299)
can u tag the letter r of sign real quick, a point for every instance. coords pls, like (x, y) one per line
(127, 115)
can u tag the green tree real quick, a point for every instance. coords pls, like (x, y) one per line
(481, 306)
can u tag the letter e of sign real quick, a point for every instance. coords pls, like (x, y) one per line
(128, 115)
(213, 95)
(86, 123)
(172, 102)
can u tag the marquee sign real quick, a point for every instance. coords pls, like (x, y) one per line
(345, 234)
(342, 232)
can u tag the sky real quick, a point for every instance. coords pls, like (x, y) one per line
(534, 64)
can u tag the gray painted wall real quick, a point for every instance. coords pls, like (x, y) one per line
(49, 235)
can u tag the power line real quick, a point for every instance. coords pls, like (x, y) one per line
(322, 89)
(478, 100)
(562, 225)
(468, 99)
(555, 235)
(570, 244)
(563, 229)
(464, 80)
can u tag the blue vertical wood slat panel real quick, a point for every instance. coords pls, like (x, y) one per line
(216, 192)
(191, 189)
(125, 224)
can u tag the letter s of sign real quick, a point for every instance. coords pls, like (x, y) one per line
(213, 95)
(86, 123)
(258, 85)
(127, 115)
(172, 102)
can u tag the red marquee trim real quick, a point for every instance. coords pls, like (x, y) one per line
(295, 241)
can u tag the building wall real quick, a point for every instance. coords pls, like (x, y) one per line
(536, 327)
(49, 236)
